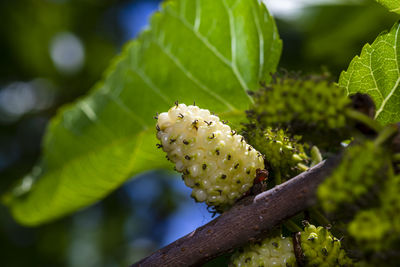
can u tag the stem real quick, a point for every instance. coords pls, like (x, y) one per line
(319, 217)
(278, 177)
(289, 224)
(387, 133)
(361, 117)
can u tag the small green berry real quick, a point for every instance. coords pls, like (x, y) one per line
(321, 248)
(285, 155)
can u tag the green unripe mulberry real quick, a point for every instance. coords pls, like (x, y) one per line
(372, 229)
(285, 155)
(378, 228)
(360, 168)
(216, 162)
(321, 248)
(312, 108)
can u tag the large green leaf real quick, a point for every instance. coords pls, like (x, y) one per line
(392, 5)
(377, 72)
(208, 51)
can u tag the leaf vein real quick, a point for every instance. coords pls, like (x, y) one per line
(124, 107)
(198, 16)
(203, 39)
(233, 48)
(396, 85)
(151, 85)
(261, 43)
(191, 77)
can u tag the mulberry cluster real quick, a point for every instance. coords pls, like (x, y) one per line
(310, 107)
(277, 251)
(216, 162)
(318, 246)
(361, 166)
(285, 155)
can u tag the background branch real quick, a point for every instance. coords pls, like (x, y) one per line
(250, 219)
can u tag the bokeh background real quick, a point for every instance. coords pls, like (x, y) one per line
(53, 51)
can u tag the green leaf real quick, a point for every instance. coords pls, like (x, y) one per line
(392, 5)
(377, 72)
(208, 51)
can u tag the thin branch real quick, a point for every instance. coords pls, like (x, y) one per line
(249, 220)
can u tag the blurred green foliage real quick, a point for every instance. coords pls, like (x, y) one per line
(328, 37)
(27, 31)
(392, 5)
(26, 34)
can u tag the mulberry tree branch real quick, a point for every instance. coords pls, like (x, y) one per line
(250, 219)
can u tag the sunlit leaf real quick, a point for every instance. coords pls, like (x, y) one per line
(208, 51)
(392, 5)
(377, 72)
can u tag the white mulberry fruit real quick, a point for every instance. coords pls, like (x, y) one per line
(216, 162)
(277, 251)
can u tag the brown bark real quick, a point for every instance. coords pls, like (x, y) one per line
(250, 219)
